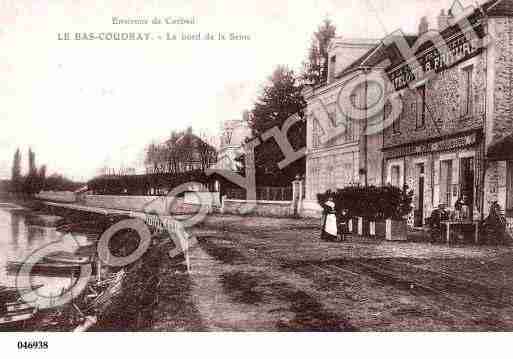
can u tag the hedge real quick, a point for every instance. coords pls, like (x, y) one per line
(371, 202)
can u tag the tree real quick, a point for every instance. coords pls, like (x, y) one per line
(57, 182)
(41, 178)
(16, 171)
(32, 163)
(315, 68)
(173, 152)
(31, 180)
(280, 99)
(151, 159)
(182, 151)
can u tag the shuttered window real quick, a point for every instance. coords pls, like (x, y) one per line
(509, 187)
(445, 181)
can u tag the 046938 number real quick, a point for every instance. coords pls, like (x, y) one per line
(35, 345)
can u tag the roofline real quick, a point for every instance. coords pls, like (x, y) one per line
(492, 6)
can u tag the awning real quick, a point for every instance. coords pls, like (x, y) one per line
(501, 149)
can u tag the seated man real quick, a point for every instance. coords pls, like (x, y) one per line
(435, 222)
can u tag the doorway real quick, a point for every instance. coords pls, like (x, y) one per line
(419, 210)
(467, 181)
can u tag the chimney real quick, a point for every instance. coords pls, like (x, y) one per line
(245, 116)
(423, 26)
(443, 20)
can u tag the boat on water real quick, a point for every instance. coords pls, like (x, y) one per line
(60, 263)
(57, 269)
(68, 258)
(92, 229)
(13, 310)
(15, 313)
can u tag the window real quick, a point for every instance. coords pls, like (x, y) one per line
(396, 125)
(467, 94)
(316, 134)
(351, 118)
(414, 109)
(421, 168)
(395, 176)
(421, 98)
(445, 182)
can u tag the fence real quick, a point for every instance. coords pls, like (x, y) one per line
(263, 193)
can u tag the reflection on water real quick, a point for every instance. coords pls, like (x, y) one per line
(18, 239)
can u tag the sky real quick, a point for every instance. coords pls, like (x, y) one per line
(85, 104)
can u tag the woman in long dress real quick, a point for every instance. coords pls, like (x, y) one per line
(329, 230)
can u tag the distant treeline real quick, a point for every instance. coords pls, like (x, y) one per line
(36, 179)
(149, 184)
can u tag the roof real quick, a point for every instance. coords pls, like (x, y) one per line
(375, 55)
(381, 52)
(498, 8)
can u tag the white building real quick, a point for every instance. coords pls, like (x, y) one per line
(232, 137)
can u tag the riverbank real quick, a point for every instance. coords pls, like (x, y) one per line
(34, 209)
(272, 274)
(130, 310)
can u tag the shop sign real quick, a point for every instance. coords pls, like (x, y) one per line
(439, 146)
(456, 51)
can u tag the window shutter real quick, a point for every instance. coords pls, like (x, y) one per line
(509, 185)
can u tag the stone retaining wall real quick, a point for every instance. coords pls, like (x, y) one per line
(205, 198)
(159, 204)
(259, 208)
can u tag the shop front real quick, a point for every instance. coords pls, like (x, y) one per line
(438, 171)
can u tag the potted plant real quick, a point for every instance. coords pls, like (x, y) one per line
(398, 206)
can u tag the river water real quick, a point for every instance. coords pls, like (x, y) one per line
(18, 240)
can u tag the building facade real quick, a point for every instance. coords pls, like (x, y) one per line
(453, 136)
(341, 160)
(438, 145)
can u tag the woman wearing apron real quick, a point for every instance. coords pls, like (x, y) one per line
(329, 229)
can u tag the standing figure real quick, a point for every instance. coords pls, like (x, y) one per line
(329, 225)
(458, 206)
(465, 208)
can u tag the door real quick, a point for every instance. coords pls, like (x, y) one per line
(467, 181)
(419, 197)
(420, 206)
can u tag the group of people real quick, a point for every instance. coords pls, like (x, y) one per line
(462, 212)
(333, 223)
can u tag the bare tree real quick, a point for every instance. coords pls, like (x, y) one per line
(206, 151)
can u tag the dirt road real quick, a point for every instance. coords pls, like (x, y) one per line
(263, 274)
